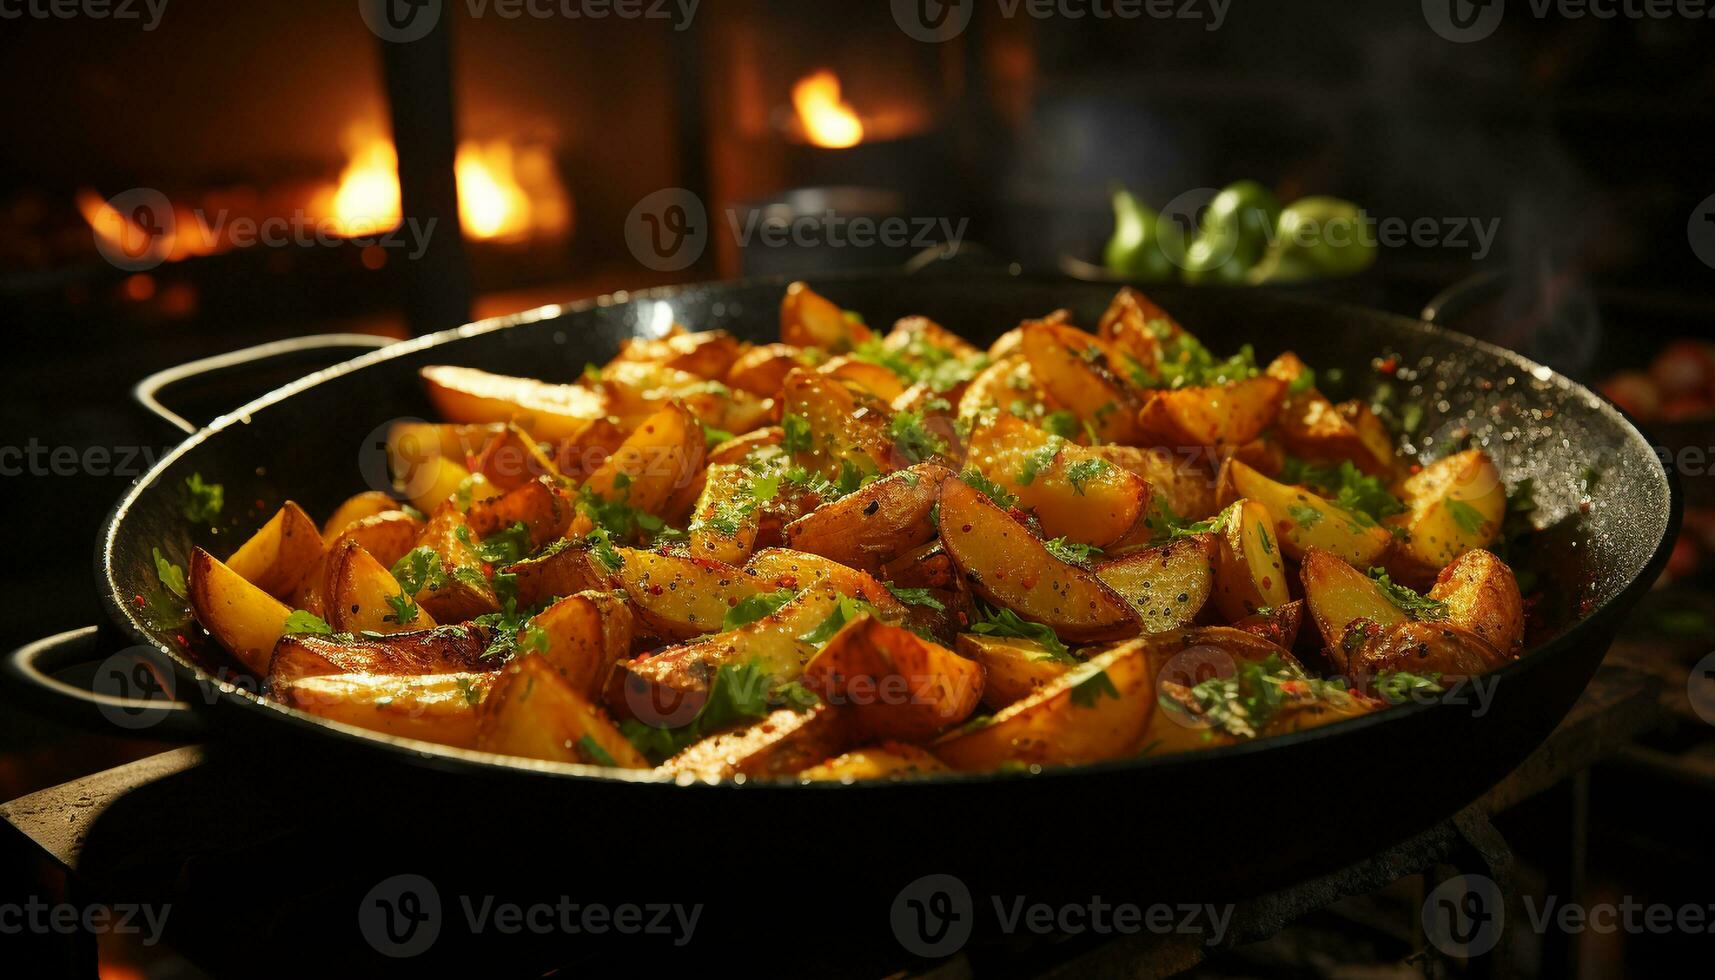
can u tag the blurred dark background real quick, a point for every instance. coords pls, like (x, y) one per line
(1584, 138)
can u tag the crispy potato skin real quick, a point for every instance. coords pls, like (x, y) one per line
(587, 635)
(1003, 561)
(1338, 595)
(548, 411)
(534, 712)
(678, 598)
(284, 550)
(1074, 492)
(661, 455)
(1083, 373)
(782, 744)
(1250, 570)
(726, 520)
(542, 505)
(1097, 711)
(893, 683)
(1167, 585)
(1278, 626)
(243, 618)
(1420, 648)
(783, 568)
(1134, 324)
(1013, 669)
(1312, 427)
(445, 650)
(997, 386)
(877, 524)
(1301, 520)
(559, 572)
(1482, 596)
(454, 598)
(1183, 481)
(890, 760)
(706, 354)
(387, 535)
(763, 369)
(437, 708)
(358, 590)
(1216, 417)
(807, 319)
(355, 508)
(513, 457)
(848, 426)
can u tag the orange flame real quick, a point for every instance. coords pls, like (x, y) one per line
(826, 120)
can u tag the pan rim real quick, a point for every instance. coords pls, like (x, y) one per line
(473, 762)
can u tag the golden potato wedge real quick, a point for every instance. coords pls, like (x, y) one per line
(1442, 648)
(429, 481)
(807, 319)
(513, 458)
(706, 354)
(584, 637)
(1338, 595)
(278, 556)
(893, 683)
(1313, 428)
(916, 331)
(1006, 386)
(877, 524)
(1302, 520)
(1096, 711)
(1000, 559)
(355, 508)
(458, 590)
(873, 378)
(763, 369)
(245, 620)
(1456, 504)
(1167, 585)
(1013, 668)
(660, 456)
(1074, 492)
(1085, 374)
(783, 568)
(438, 708)
(1136, 325)
(1482, 595)
(890, 760)
(547, 411)
(784, 743)
(838, 427)
(576, 458)
(927, 566)
(543, 505)
(677, 597)
(387, 535)
(1250, 572)
(1278, 625)
(534, 712)
(727, 516)
(561, 570)
(636, 390)
(1227, 416)
(669, 687)
(1183, 481)
(1372, 433)
(443, 650)
(358, 591)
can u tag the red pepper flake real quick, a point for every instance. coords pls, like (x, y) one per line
(180, 639)
(966, 529)
(656, 590)
(139, 600)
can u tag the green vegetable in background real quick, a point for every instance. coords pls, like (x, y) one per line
(1135, 249)
(1233, 235)
(1317, 238)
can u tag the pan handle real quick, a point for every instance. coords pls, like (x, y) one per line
(109, 702)
(311, 349)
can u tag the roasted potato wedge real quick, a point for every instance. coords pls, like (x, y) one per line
(893, 683)
(1482, 595)
(387, 535)
(679, 598)
(1137, 326)
(763, 369)
(1096, 711)
(727, 517)
(584, 636)
(784, 743)
(1228, 416)
(443, 650)
(636, 390)
(278, 556)
(513, 458)
(560, 570)
(244, 619)
(927, 566)
(534, 712)
(1167, 585)
(438, 708)
(542, 505)
(845, 428)
(355, 508)
(1339, 595)
(890, 760)
(358, 592)
(423, 470)
(1456, 504)
(547, 411)
(706, 354)
(660, 456)
(877, 524)
(1183, 481)
(460, 591)
(1312, 428)
(1442, 648)
(1073, 491)
(783, 568)
(1006, 386)
(873, 378)
(1278, 625)
(1013, 668)
(1000, 559)
(807, 319)
(1250, 572)
(1084, 373)
(1302, 520)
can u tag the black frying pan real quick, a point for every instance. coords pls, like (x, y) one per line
(1227, 822)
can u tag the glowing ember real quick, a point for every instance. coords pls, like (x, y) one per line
(826, 120)
(366, 202)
